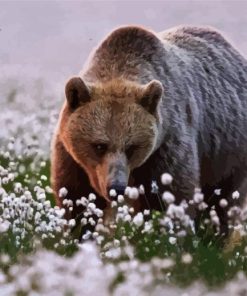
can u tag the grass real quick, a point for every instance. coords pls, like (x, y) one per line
(25, 189)
(209, 260)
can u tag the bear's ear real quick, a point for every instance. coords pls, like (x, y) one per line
(76, 92)
(151, 96)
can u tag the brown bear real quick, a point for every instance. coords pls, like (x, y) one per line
(148, 103)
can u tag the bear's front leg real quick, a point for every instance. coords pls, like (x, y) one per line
(65, 172)
(181, 163)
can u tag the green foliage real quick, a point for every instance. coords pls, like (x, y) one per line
(209, 260)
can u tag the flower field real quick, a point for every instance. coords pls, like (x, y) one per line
(137, 253)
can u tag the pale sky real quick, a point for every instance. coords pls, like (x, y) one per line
(57, 36)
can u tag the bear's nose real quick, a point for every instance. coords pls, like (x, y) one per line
(118, 187)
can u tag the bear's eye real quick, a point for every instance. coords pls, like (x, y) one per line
(99, 148)
(130, 150)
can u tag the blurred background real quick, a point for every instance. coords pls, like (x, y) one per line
(43, 43)
(55, 37)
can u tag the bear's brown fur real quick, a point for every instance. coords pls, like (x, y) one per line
(149, 103)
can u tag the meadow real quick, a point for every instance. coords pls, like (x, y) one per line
(137, 253)
(43, 43)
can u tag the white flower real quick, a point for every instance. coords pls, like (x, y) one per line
(133, 193)
(181, 233)
(148, 226)
(154, 187)
(113, 204)
(223, 203)
(37, 217)
(213, 213)
(91, 221)
(235, 195)
(78, 202)
(113, 253)
(141, 189)
(43, 164)
(215, 220)
(131, 210)
(167, 222)
(172, 240)
(120, 198)
(198, 197)
(5, 180)
(41, 196)
(84, 221)
(11, 176)
(72, 222)
(234, 212)
(87, 235)
(167, 263)
(168, 197)
(62, 192)
(92, 207)
(4, 226)
(186, 258)
(43, 178)
(166, 179)
(116, 243)
(127, 190)
(112, 193)
(127, 218)
(48, 189)
(175, 211)
(217, 191)
(146, 212)
(99, 239)
(84, 201)
(202, 206)
(4, 258)
(99, 213)
(138, 219)
(92, 197)
(95, 234)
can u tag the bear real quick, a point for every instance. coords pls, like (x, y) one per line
(146, 103)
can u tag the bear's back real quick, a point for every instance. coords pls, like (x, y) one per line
(203, 61)
(208, 46)
(206, 33)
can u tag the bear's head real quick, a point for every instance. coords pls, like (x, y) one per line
(110, 129)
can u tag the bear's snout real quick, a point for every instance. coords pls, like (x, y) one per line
(117, 174)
